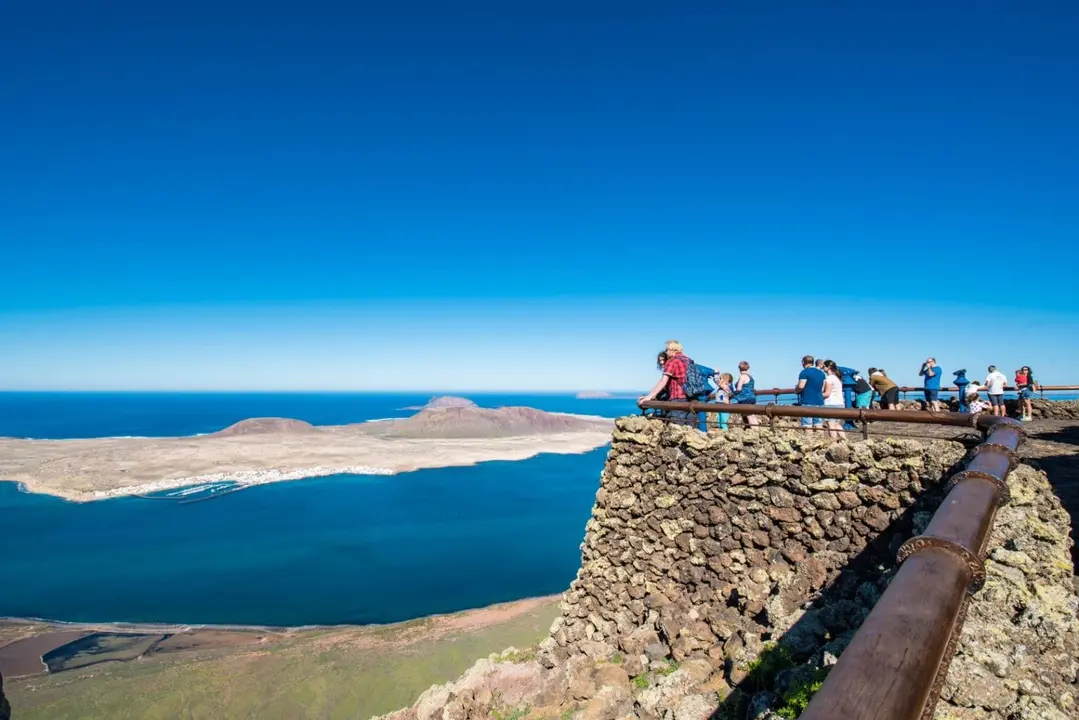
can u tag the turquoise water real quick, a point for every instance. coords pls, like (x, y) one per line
(340, 549)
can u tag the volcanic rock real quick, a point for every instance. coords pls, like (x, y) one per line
(255, 426)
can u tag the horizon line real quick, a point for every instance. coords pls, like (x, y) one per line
(233, 391)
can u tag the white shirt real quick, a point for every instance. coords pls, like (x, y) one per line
(835, 397)
(995, 382)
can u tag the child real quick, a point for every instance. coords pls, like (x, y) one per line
(723, 395)
(975, 404)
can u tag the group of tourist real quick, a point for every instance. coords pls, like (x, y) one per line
(994, 386)
(820, 384)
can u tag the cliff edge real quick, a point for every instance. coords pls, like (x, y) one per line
(723, 575)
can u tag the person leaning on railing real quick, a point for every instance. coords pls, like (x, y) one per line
(888, 390)
(671, 381)
(744, 391)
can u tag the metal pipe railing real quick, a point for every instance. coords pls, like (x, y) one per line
(912, 388)
(896, 663)
(830, 413)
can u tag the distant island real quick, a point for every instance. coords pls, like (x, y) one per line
(447, 432)
(473, 421)
(594, 395)
(444, 401)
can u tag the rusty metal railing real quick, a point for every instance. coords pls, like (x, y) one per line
(895, 666)
(771, 412)
(904, 389)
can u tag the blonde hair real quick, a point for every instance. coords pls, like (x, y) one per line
(674, 346)
(727, 378)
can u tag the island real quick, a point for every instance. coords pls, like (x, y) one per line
(594, 395)
(261, 450)
(444, 401)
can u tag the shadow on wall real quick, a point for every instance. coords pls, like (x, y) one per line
(792, 665)
(746, 558)
(5, 708)
(1063, 471)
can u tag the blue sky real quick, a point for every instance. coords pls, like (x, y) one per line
(532, 195)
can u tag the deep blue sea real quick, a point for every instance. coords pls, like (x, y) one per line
(340, 549)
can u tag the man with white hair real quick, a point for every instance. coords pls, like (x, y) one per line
(673, 377)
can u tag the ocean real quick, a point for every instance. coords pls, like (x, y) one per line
(338, 549)
(90, 415)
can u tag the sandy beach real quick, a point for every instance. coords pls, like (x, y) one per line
(85, 470)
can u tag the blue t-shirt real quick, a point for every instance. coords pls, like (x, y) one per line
(933, 383)
(813, 392)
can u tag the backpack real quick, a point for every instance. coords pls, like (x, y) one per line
(696, 384)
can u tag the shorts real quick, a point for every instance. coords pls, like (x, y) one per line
(863, 400)
(931, 395)
(812, 421)
(996, 400)
(889, 398)
(1026, 394)
(745, 399)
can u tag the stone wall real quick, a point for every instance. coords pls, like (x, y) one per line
(712, 543)
(722, 575)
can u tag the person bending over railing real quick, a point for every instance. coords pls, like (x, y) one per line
(672, 381)
(886, 388)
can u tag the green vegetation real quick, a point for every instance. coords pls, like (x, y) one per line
(796, 698)
(641, 681)
(518, 656)
(773, 660)
(568, 715)
(516, 714)
(616, 659)
(670, 668)
(327, 673)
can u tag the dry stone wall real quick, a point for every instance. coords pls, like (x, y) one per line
(723, 574)
(712, 544)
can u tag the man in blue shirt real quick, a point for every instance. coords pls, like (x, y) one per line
(932, 374)
(810, 391)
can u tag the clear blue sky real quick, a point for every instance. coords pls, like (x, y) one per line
(532, 195)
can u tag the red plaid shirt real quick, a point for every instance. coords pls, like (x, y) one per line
(675, 369)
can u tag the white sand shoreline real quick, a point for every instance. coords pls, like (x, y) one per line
(89, 471)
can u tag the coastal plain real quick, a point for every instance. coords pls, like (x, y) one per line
(332, 672)
(272, 449)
